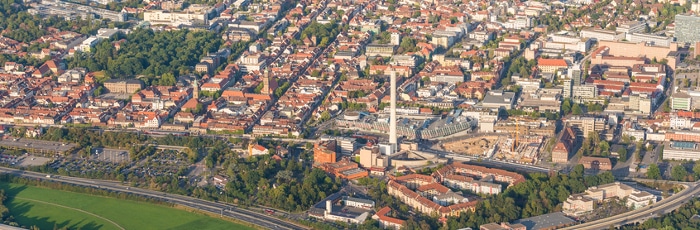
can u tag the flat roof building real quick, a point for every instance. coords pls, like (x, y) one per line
(687, 30)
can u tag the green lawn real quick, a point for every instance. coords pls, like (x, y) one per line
(29, 209)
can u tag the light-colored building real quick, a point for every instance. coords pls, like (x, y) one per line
(200, 16)
(123, 86)
(587, 125)
(380, 50)
(86, 45)
(496, 99)
(551, 65)
(687, 29)
(631, 27)
(257, 150)
(372, 158)
(650, 39)
(681, 101)
(578, 204)
(602, 35)
(681, 150)
(584, 91)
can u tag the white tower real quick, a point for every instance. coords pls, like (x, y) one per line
(395, 38)
(392, 119)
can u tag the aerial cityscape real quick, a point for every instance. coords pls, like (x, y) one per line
(349, 114)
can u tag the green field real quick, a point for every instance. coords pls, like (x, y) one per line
(48, 208)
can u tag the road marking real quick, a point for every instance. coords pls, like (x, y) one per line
(79, 210)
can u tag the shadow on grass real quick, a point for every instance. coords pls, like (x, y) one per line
(20, 209)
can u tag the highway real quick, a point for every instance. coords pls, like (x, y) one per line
(640, 215)
(230, 211)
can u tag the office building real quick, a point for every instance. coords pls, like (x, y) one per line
(602, 35)
(681, 150)
(587, 125)
(325, 152)
(650, 39)
(372, 158)
(584, 91)
(631, 27)
(687, 29)
(681, 101)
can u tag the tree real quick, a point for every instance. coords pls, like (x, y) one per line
(577, 172)
(603, 146)
(426, 80)
(167, 79)
(259, 88)
(679, 173)
(98, 91)
(623, 154)
(566, 106)
(325, 116)
(576, 109)
(408, 44)
(696, 169)
(653, 172)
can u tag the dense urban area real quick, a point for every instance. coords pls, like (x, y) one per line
(354, 114)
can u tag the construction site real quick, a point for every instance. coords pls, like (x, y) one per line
(515, 146)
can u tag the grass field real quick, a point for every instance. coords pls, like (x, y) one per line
(48, 208)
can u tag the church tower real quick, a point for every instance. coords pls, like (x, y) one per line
(195, 92)
(266, 82)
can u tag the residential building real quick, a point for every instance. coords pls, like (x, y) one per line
(257, 150)
(387, 222)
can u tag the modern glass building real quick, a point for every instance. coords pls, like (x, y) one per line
(687, 29)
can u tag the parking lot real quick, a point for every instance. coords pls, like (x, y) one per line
(37, 146)
(162, 163)
(29, 160)
(110, 155)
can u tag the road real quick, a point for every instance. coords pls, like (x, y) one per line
(230, 211)
(642, 214)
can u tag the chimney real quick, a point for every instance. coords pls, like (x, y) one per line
(392, 119)
(329, 206)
